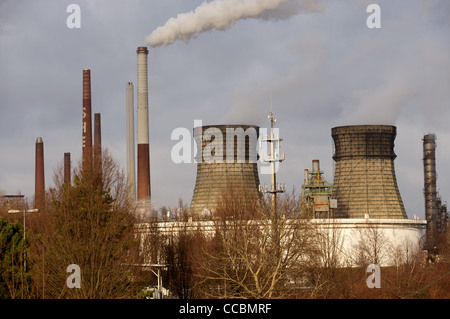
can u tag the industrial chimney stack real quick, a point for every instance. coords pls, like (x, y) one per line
(39, 189)
(87, 121)
(430, 188)
(97, 145)
(131, 169)
(143, 151)
(67, 169)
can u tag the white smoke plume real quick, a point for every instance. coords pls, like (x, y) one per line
(221, 15)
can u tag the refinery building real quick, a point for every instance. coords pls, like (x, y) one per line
(361, 202)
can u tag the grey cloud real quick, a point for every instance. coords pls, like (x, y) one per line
(322, 68)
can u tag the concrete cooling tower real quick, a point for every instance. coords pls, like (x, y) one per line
(365, 184)
(226, 160)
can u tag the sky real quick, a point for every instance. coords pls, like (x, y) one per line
(317, 59)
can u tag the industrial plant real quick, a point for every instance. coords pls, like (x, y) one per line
(363, 200)
(364, 188)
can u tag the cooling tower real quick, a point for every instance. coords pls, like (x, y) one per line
(226, 161)
(87, 120)
(143, 150)
(39, 186)
(364, 182)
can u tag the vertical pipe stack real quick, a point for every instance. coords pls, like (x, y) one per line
(87, 121)
(131, 170)
(39, 187)
(316, 166)
(143, 151)
(430, 188)
(364, 182)
(67, 169)
(97, 144)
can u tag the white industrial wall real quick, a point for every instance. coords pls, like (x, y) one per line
(351, 242)
(386, 242)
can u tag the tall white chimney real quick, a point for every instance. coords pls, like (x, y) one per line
(131, 167)
(143, 151)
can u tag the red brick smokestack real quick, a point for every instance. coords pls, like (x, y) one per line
(39, 186)
(67, 169)
(87, 120)
(97, 144)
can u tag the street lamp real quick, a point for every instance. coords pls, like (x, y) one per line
(24, 211)
(158, 275)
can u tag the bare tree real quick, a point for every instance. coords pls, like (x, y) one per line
(88, 223)
(255, 252)
(330, 242)
(372, 245)
(180, 255)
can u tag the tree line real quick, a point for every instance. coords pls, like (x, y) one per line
(244, 250)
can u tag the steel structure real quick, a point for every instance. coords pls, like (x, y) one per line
(316, 192)
(430, 188)
(273, 157)
(435, 210)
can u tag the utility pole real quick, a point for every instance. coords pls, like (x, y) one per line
(273, 158)
(24, 211)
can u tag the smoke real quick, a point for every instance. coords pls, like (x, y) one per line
(222, 14)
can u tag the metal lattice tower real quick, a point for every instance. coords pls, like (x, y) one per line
(227, 161)
(365, 183)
